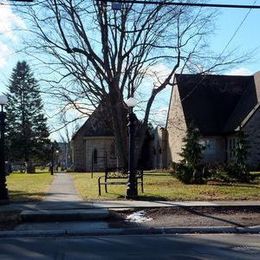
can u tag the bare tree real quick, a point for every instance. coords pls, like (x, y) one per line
(104, 55)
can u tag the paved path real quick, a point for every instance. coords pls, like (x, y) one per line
(62, 195)
(162, 204)
(62, 189)
(60, 208)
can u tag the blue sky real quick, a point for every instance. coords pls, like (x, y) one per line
(246, 39)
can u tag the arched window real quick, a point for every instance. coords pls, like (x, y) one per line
(94, 154)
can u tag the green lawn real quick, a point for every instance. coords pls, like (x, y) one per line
(28, 187)
(162, 186)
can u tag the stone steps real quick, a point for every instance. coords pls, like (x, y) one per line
(75, 226)
(64, 215)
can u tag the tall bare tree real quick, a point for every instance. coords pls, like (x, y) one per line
(105, 55)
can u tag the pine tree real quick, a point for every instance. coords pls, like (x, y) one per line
(192, 150)
(241, 172)
(27, 131)
(188, 171)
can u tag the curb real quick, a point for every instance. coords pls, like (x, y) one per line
(131, 231)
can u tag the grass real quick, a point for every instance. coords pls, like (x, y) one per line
(28, 187)
(166, 187)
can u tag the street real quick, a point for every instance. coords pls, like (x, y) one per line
(212, 246)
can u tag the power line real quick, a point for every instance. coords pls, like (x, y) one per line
(234, 6)
(236, 31)
(222, 52)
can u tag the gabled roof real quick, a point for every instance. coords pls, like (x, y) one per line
(98, 124)
(217, 104)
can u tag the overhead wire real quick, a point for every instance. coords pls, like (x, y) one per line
(223, 50)
(179, 3)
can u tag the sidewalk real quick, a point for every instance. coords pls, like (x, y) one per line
(123, 204)
(62, 195)
(63, 212)
(62, 203)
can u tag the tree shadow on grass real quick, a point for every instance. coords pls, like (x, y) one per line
(151, 197)
(141, 196)
(21, 196)
(148, 197)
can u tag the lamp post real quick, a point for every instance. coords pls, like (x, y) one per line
(52, 158)
(131, 192)
(3, 189)
(57, 160)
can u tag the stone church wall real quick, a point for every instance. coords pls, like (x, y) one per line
(176, 127)
(252, 130)
(105, 153)
(78, 153)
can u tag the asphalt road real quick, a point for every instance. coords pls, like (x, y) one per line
(222, 246)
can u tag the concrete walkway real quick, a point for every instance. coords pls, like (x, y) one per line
(63, 195)
(163, 204)
(62, 189)
(62, 209)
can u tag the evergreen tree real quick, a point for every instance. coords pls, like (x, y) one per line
(239, 169)
(191, 152)
(241, 150)
(27, 131)
(188, 171)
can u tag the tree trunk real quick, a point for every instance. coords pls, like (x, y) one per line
(119, 121)
(30, 168)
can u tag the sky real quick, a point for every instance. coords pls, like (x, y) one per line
(235, 29)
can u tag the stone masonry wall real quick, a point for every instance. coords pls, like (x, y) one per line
(105, 151)
(252, 129)
(79, 154)
(176, 127)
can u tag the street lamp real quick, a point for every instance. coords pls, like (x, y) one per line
(52, 158)
(57, 159)
(131, 192)
(3, 189)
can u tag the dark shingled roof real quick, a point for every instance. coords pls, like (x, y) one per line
(216, 104)
(98, 124)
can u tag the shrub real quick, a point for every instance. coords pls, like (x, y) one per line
(189, 175)
(238, 173)
(184, 173)
(231, 172)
